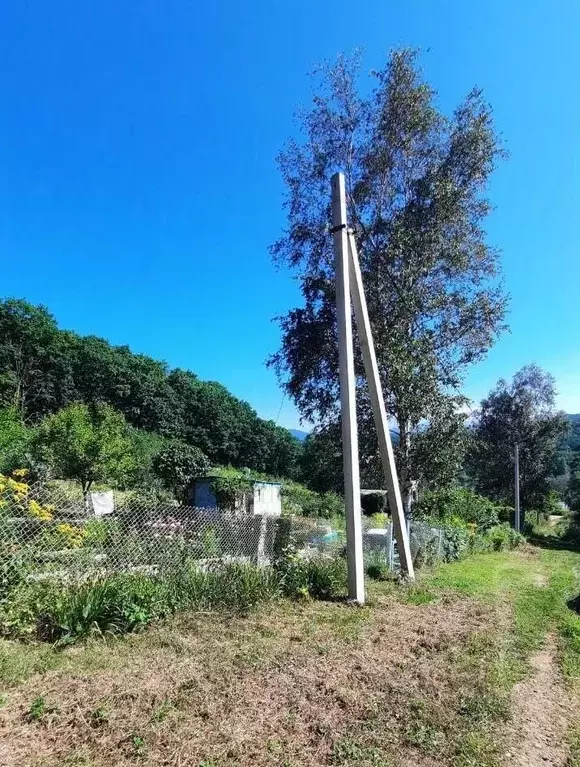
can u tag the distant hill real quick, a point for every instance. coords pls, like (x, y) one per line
(301, 435)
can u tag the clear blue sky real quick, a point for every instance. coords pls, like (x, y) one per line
(139, 192)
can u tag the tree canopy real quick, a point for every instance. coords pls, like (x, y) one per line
(89, 443)
(178, 464)
(44, 369)
(416, 181)
(521, 412)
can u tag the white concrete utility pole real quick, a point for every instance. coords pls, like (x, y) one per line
(517, 488)
(379, 411)
(349, 280)
(354, 551)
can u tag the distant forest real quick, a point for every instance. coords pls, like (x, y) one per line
(44, 368)
(572, 441)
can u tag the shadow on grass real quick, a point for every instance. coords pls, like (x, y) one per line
(553, 542)
(574, 604)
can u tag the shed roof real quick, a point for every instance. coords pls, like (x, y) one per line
(255, 480)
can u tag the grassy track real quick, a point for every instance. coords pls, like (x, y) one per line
(421, 676)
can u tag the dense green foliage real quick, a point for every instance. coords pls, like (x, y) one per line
(300, 500)
(89, 443)
(14, 441)
(463, 504)
(566, 479)
(124, 602)
(416, 184)
(43, 369)
(178, 463)
(320, 577)
(469, 523)
(521, 412)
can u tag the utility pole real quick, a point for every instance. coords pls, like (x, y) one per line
(354, 551)
(349, 282)
(517, 488)
(379, 411)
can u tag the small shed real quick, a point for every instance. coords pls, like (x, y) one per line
(260, 498)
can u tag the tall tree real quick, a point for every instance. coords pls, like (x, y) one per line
(88, 443)
(416, 182)
(521, 412)
(35, 373)
(15, 440)
(178, 463)
(44, 369)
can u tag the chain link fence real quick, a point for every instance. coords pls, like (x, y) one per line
(50, 532)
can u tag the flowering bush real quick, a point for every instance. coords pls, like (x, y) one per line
(14, 498)
(64, 536)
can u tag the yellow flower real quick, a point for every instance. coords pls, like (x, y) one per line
(38, 511)
(73, 535)
(20, 473)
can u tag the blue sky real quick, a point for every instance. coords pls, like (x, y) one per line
(138, 185)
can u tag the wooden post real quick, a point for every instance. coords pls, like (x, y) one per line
(379, 412)
(517, 488)
(354, 551)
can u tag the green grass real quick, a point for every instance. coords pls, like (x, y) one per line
(573, 740)
(538, 588)
(529, 595)
(458, 718)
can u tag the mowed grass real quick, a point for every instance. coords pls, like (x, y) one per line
(422, 675)
(536, 586)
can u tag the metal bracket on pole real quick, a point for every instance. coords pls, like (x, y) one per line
(354, 550)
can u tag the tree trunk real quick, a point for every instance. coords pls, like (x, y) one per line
(406, 481)
(86, 486)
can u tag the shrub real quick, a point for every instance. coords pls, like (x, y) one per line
(320, 577)
(379, 520)
(459, 503)
(456, 539)
(376, 566)
(504, 537)
(98, 532)
(300, 500)
(127, 602)
(117, 604)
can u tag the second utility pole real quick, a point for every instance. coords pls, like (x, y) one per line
(517, 487)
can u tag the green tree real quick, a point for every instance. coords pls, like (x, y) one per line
(135, 384)
(35, 376)
(15, 440)
(178, 463)
(87, 443)
(145, 445)
(416, 182)
(43, 369)
(573, 493)
(521, 412)
(322, 460)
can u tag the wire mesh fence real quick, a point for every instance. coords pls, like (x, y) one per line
(49, 532)
(46, 532)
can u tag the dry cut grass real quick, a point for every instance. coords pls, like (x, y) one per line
(411, 679)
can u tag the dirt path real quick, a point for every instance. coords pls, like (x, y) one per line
(542, 712)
